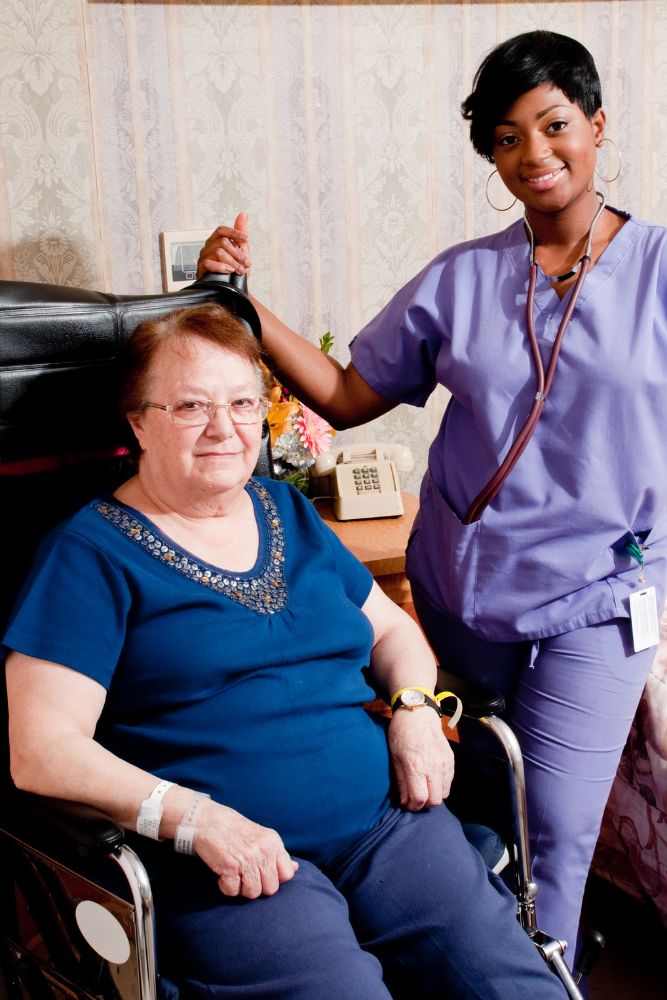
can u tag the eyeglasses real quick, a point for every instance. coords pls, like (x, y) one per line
(197, 412)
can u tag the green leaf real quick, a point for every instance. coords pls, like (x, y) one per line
(326, 342)
(298, 478)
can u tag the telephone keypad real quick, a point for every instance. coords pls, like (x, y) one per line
(366, 479)
(365, 486)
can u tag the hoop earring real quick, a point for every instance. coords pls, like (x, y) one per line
(495, 207)
(610, 180)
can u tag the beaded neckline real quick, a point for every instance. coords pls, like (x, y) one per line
(264, 591)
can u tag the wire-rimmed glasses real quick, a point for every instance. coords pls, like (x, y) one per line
(197, 412)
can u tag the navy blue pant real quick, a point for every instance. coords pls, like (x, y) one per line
(571, 700)
(410, 912)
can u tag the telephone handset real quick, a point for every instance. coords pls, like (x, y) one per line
(363, 479)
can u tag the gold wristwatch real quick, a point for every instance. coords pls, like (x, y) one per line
(412, 698)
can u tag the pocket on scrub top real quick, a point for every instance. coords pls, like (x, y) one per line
(623, 579)
(657, 534)
(443, 555)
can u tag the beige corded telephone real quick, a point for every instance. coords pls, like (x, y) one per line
(363, 479)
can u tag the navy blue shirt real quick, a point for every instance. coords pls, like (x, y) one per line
(248, 686)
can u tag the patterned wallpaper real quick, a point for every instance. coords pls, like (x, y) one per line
(334, 125)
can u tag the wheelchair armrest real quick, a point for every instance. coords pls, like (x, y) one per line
(478, 699)
(47, 823)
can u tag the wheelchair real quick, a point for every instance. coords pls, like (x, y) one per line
(76, 911)
(487, 750)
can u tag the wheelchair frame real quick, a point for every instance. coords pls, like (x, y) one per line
(482, 707)
(90, 835)
(73, 833)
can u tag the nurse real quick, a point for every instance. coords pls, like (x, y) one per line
(531, 581)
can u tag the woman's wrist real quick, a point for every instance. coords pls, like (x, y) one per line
(413, 697)
(171, 812)
(187, 829)
(149, 817)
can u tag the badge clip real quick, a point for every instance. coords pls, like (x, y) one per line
(634, 549)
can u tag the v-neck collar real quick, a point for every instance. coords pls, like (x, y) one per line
(547, 300)
(263, 588)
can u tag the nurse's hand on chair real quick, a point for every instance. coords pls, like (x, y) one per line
(422, 758)
(226, 250)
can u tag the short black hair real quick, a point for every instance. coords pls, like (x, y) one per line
(521, 64)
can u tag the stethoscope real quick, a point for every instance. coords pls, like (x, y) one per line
(490, 491)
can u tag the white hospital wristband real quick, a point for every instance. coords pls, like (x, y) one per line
(150, 811)
(184, 840)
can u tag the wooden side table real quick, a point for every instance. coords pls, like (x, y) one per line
(379, 543)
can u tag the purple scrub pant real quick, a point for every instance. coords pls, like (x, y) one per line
(409, 912)
(571, 700)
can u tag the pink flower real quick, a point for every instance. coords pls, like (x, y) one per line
(313, 431)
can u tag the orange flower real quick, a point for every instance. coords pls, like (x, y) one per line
(280, 418)
(276, 394)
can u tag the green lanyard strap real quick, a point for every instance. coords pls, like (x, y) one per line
(634, 550)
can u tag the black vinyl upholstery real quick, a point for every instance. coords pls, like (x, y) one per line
(59, 350)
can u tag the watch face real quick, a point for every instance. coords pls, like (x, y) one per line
(412, 698)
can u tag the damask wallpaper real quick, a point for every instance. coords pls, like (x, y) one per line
(334, 125)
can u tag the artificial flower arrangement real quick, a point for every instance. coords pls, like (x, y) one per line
(298, 434)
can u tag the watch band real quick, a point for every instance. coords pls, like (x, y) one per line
(426, 699)
(410, 687)
(430, 700)
(458, 711)
(150, 811)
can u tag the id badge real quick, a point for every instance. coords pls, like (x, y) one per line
(644, 618)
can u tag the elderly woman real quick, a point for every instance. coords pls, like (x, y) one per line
(208, 692)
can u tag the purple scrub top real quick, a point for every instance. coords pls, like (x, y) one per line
(548, 555)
